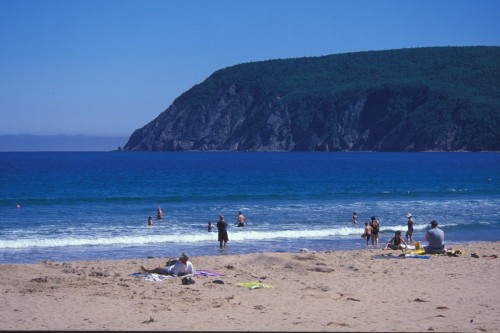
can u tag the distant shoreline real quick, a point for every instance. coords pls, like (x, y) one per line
(59, 143)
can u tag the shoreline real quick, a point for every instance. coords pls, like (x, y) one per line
(348, 290)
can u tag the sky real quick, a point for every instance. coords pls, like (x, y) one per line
(109, 67)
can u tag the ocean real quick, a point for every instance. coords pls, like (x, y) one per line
(68, 206)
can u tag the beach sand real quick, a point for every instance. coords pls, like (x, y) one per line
(311, 291)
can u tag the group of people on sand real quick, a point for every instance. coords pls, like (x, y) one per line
(434, 236)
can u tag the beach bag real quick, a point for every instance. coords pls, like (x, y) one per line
(187, 280)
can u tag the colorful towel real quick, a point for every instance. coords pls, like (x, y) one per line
(205, 272)
(417, 256)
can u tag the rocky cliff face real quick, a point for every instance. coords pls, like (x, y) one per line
(234, 112)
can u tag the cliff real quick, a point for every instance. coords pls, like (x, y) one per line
(422, 99)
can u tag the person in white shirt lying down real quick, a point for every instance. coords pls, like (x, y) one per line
(183, 267)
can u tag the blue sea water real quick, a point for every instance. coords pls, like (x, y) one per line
(95, 205)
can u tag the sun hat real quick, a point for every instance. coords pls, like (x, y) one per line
(409, 215)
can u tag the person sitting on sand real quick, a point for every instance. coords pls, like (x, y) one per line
(183, 267)
(435, 237)
(396, 243)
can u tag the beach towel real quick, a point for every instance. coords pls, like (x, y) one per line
(205, 272)
(417, 256)
(151, 276)
(420, 251)
(254, 285)
(401, 256)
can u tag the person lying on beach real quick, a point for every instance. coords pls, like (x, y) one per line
(396, 243)
(183, 267)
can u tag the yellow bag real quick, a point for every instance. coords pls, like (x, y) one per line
(417, 245)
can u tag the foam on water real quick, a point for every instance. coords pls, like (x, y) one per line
(95, 205)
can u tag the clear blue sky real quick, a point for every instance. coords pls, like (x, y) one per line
(108, 67)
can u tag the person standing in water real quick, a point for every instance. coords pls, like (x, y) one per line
(409, 232)
(368, 233)
(242, 220)
(159, 214)
(354, 218)
(222, 230)
(375, 224)
(150, 220)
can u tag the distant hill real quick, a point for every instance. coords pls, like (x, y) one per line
(419, 99)
(28, 142)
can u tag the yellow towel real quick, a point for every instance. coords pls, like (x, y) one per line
(254, 285)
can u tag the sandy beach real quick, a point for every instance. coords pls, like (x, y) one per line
(308, 291)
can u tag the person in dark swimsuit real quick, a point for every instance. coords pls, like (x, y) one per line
(222, 229)
(409, 232)
(375, 224)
